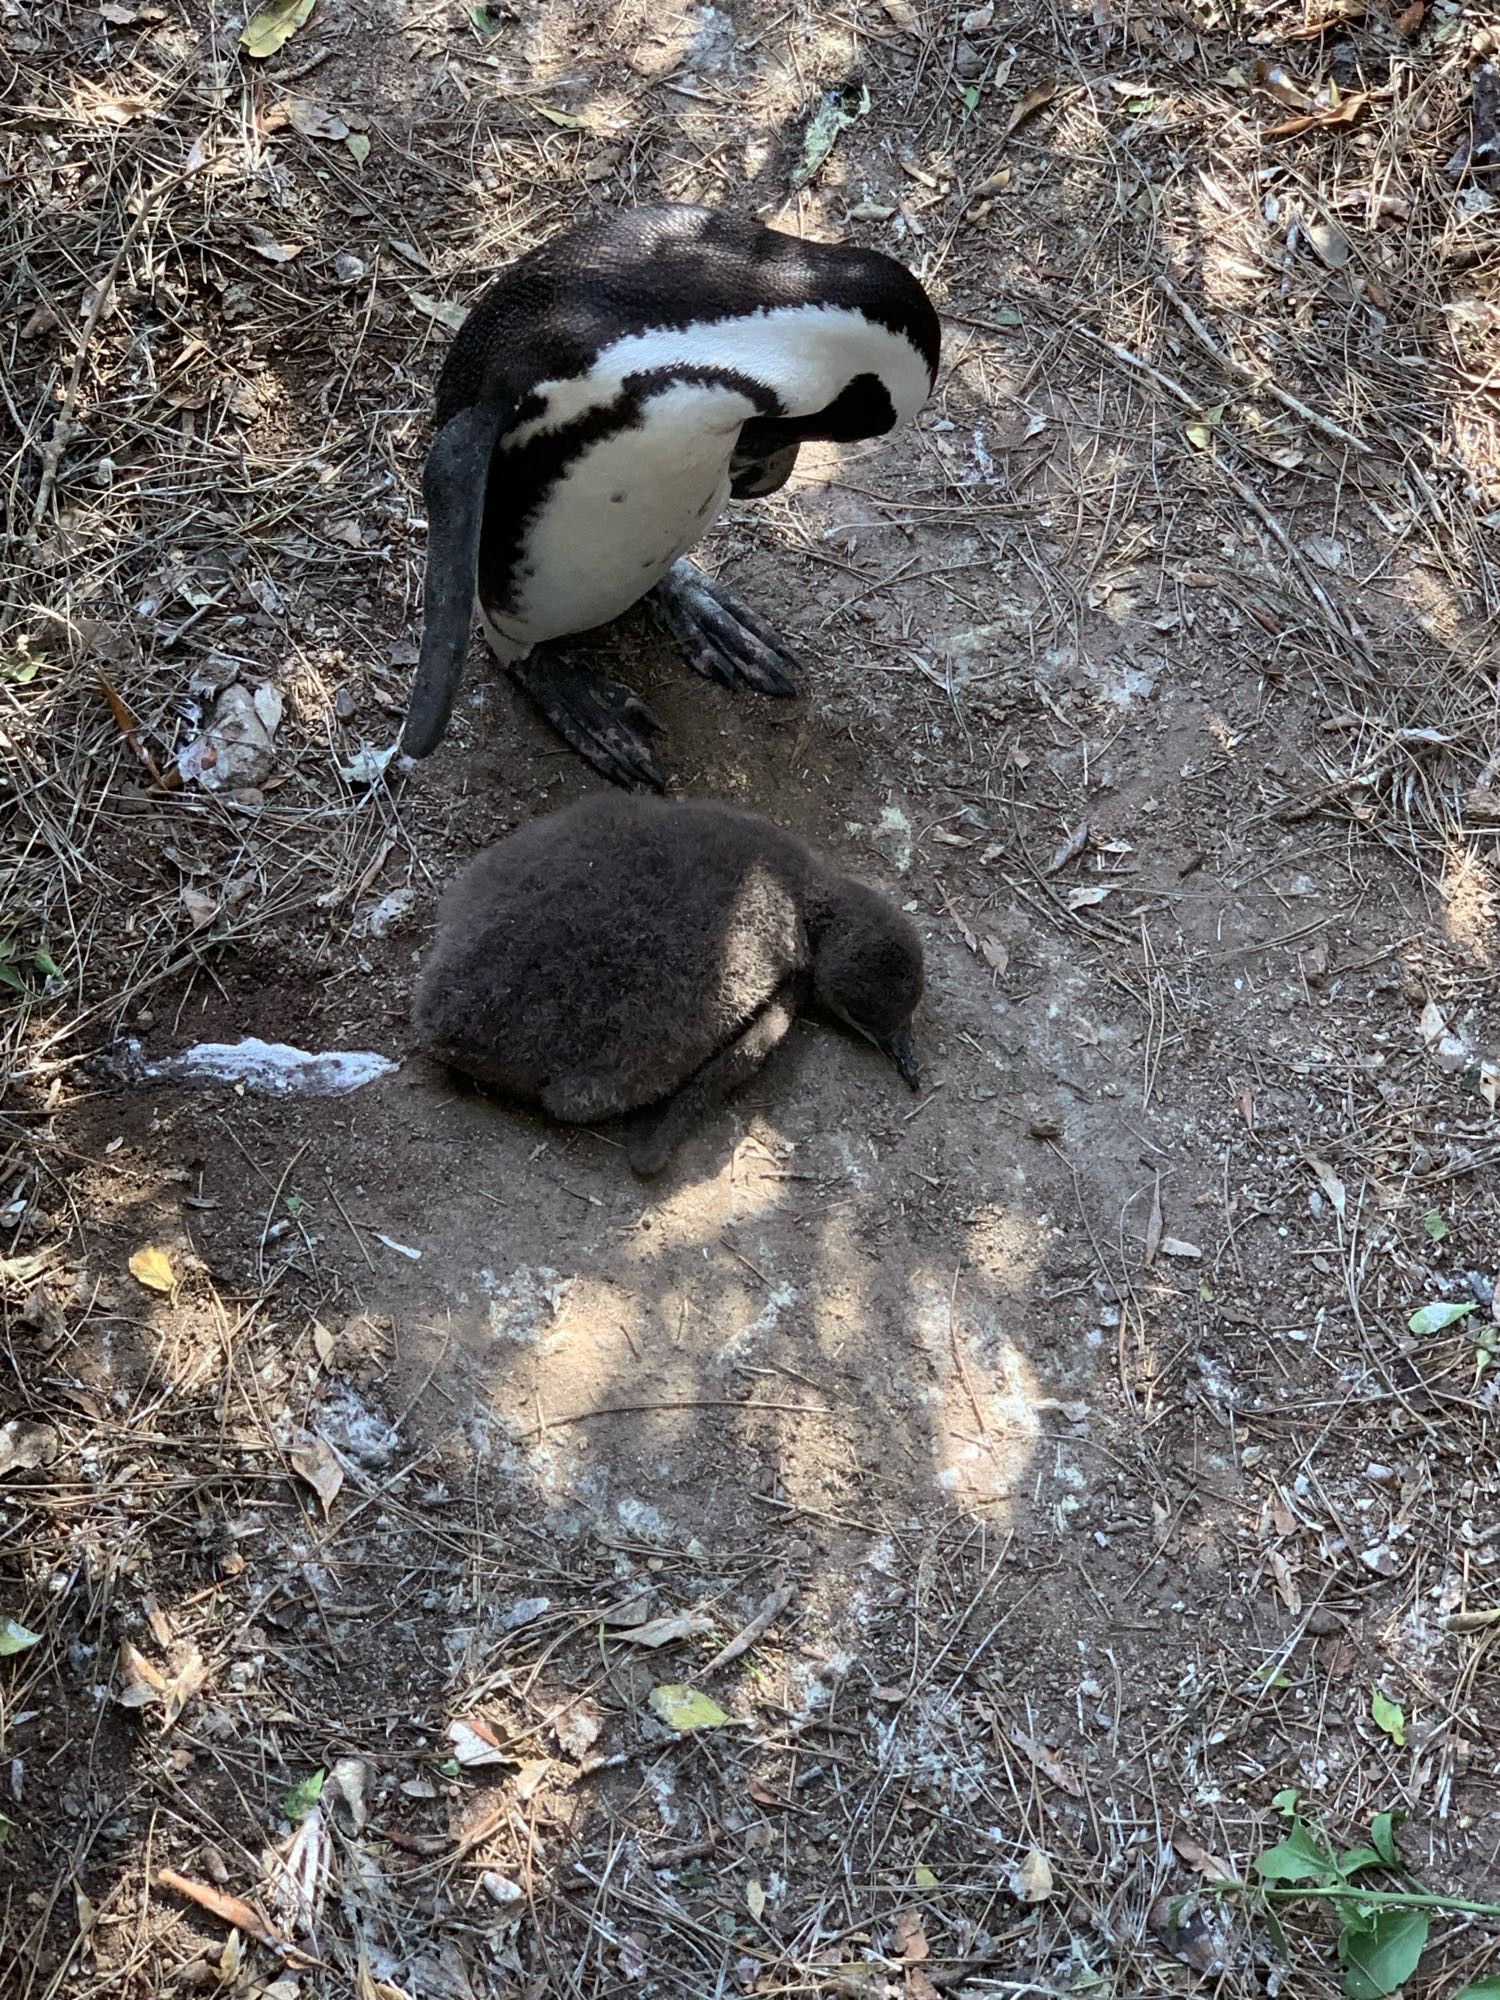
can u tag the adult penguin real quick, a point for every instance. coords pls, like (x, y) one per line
(603, 399)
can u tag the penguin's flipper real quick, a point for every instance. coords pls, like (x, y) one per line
(453, 485)
(722, 638)
(607, 725)
(654, 1134)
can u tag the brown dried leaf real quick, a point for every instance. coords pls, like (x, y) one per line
(1198, 1857)
(201, 910)
(313, 121)
(1035, 98)
(474, 1742)
(184, 1684)
(316, 1464)
(140, 1682)
(1051, 1767)
(229, 1909)
(275, 253)
(910, 1938)
(1343, 113)
(1409, 21)
(1153, 1226)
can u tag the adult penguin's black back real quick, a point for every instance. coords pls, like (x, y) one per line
(612, 387)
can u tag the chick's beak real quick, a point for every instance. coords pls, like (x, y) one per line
(898, 1047)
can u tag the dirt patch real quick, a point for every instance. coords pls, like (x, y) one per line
(1067, 1428)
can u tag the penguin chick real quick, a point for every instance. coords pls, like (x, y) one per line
(630, 955)
(606, 395)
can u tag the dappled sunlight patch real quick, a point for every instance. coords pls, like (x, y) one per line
(983, 1392)
(1471, 897)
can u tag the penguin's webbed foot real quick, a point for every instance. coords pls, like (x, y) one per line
(608, 725)
(722, 638)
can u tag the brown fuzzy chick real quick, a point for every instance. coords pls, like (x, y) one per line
(632, 954)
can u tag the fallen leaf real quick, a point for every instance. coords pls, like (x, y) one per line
(1331, 1185)
(578, 1731)
(183, 1685)
(1153, 1226)
(994, 953)
(1174, 1246)
(755, 1899)
(316, 1464)
(15, 1637)
(474, 1743)
(1409, 21)
(273, 252)
(1033, 1879)
(153, 1269)
(565, 119)
(837, 109)
(918, 1985)
(273, 24)
(1035, 98)
(902, 15)
(684, 1708)
(662, 1631)
(365, 766)
(324, 1344)
(1199, 1858)
(25, 1446)
(140, 1682)
(313, 121)
(1286, 1582)
(1343, 113)
(1331, 244)
(1085, 899)
(910, 1938)
(1051, 1767)
(201, 910)
(1073, 845)
(1246, 1101)
(359, 147)
(229, 1909)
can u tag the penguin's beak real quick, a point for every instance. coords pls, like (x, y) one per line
(898, 1047)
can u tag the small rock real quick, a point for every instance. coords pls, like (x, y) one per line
(236, 749)
(348, 268)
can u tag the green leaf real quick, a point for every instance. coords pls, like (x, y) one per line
(15, 1638)
(11, 978)
(483, 22)
(1434, 1224)
(1390, 1718)
(1286, 1802)
(1432, 1319)
(1298, 1858)
(565, 119)
(359, 145)
(1353, 1859)
(1007, 316)
(971, 97)
(301, 1799)
(47, 965)
(1383, 1833)
(684, 1708)
(273, 24)
(22, 670)
(923, 1876)
(1482, 1989)
(1377, 1961)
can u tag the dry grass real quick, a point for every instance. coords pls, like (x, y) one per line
(1265, 374)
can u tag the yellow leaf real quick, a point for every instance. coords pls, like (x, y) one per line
(684, 1708)
(153, 1269)
(564, 118)
(275, 23)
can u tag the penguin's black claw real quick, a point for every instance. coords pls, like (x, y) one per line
(722, 638)
(607, 725)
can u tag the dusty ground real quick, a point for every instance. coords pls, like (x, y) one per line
(1070, 1413)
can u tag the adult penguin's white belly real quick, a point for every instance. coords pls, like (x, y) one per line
(618, 515)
